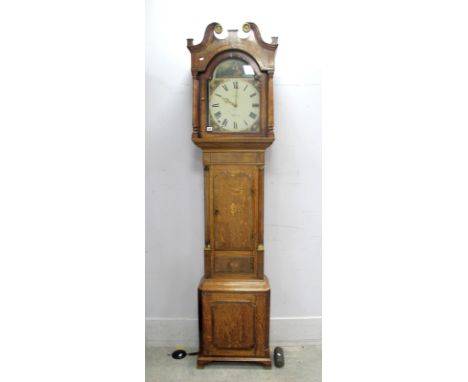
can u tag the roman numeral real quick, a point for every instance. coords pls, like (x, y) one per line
(252, 115)
(246, 123)
(253, 94)
(255, 105)
(235, 125)
(225, 87)
(216, 105)
(218, 114)
(219, 95)
(225, 122)
(246, 86)
(235, 84)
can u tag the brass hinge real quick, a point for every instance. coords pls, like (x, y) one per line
(208, 247)
(260, 247)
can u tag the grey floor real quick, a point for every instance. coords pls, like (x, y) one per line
(302, 363)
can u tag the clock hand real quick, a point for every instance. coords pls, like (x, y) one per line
(229, 101)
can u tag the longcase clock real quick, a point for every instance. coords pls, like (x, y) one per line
(233, 125)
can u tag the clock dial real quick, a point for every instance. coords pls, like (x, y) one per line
(234, 105)
(233, 98)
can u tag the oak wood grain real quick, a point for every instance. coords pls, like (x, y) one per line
(234, 294)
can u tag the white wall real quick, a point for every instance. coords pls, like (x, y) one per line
(174, 187)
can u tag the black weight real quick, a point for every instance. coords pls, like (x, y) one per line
(278, 356)
(179, 354)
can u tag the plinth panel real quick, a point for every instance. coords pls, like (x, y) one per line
(233, 324)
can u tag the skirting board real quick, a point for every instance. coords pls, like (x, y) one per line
(184, 331)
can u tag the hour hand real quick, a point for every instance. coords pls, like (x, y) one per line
(229, 101)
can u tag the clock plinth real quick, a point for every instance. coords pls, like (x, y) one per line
(233, 125)
(234, 321)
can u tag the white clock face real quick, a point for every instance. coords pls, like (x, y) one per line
(234, 105)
